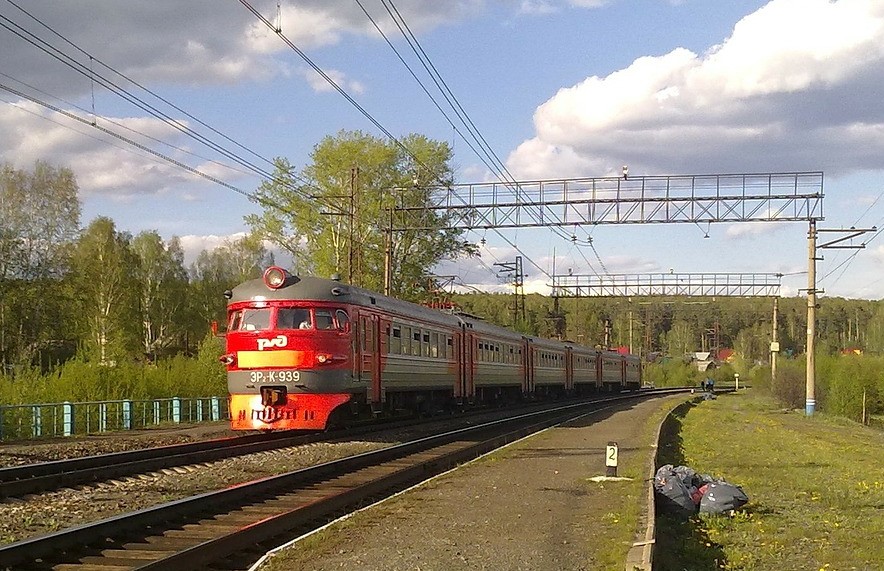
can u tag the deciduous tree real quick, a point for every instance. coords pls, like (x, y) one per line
(105, 287)
(162, 283)
(335, 215)
(39, 218)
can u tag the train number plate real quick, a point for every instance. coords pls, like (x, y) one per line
(286, 376)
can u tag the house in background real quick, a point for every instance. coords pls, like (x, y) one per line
(708, 360)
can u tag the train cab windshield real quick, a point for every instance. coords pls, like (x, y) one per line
(259, 319)
(250, 319)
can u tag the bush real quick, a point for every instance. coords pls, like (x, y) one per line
(672, 373)
(789, 386)
(845, 379)
(79, 380)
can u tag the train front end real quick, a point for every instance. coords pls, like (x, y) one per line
(288, 353)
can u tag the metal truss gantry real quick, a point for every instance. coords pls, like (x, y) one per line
(627, 200)
(668, 284)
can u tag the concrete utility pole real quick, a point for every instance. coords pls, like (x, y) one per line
(774, 343)
(810, 388)
(388, 257)
(810, 385)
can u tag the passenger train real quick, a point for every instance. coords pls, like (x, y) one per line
(308, 353)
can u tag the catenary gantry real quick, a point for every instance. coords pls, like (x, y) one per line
(668, 284)
(791, 196)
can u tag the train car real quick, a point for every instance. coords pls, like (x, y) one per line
(307, 353)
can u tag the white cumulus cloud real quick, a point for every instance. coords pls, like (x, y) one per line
(771, 97)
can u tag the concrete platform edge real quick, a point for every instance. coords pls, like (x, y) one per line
(641, 556)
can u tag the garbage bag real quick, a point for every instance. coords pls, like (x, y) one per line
(722, 497)
(674, 493)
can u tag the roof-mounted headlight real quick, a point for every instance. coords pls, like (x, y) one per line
(275, 277)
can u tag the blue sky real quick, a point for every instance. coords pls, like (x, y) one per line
(557, 88)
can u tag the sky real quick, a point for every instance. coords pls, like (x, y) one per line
(557, 88)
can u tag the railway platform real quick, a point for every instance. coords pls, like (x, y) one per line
(533, 505)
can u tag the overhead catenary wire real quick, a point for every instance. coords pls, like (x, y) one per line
(114, 123)
(487, 155)
(260, 199)
(178, 125)
(502, 172)
(360, 108)
(849, 260)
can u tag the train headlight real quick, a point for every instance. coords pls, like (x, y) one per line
(275, 277)
(322, 358)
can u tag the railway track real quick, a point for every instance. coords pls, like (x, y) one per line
(18, 481)
(196, 532)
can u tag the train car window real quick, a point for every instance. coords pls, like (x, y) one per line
(235, 320)
(343, 320)
(434, 345)
(449, 348)
(396, 341)
(255, 319)
(324, 319)
(416, 344)
(406, 340)
(293, 318)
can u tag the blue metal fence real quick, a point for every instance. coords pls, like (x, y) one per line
(69, 419)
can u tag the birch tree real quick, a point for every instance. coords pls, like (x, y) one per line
(106, 288)
(162, 282)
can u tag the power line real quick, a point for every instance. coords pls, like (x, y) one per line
(357, 106)
(112, 122)
(133, 99)
(260, 199)
(496, 165)
(136, 83)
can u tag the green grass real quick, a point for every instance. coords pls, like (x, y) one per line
(815, 486)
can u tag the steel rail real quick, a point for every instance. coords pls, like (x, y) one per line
(17, 481)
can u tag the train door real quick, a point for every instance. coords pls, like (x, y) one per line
(360, 347)
(599, 364)
(569, 368)
(460, 363)
(377, 358)
(469, 365)
(370, 351)
(528, 360)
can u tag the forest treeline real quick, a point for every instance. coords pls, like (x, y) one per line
(680, 325)
(97, 299)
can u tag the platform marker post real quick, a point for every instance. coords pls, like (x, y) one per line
(611, 452)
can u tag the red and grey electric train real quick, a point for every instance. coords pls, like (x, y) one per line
(304, 353)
